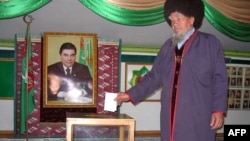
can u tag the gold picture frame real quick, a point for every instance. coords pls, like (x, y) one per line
(73, 91)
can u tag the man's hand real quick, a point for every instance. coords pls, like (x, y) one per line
(54, 83)
(217, 120)
(122, 97)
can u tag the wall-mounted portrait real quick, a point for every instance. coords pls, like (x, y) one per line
(69, 69)
(246, 94)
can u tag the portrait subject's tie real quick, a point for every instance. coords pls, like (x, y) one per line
(68, 72)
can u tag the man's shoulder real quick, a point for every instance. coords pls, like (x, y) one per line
(80, 66)
(76, 64)
(209, 41)
(55, 65)
(206, 35)
(81, 69)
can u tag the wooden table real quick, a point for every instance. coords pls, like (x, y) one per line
(121, 120)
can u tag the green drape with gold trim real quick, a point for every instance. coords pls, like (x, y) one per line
(230, 17)
(15, 8)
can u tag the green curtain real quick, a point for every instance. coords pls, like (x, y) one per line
(15, 8)
(133, 17)
(236, 30)
(231, 28)
(125, 16)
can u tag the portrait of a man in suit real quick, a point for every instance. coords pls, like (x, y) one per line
(69, 80)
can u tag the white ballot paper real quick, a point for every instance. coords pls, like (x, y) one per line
(109, 103)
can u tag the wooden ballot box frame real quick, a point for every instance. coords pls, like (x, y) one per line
(92, 119)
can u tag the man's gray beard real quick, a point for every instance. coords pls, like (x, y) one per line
(177, 38)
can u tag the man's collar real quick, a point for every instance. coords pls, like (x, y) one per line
(187, 35)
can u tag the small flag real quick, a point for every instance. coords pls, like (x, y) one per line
(85, 56)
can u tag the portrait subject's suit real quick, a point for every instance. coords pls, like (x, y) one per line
(80, 77)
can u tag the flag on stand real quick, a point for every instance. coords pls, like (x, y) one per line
(27, 102)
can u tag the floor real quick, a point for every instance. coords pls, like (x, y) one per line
(109, 139)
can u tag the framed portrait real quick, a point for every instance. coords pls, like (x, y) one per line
(134, 72)
(69, 70)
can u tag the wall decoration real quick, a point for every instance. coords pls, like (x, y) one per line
(7, 69)
(134, 72)
(79, 88)
(7, 78)
(108, 69)
(239, 87)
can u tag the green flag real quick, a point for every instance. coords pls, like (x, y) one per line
(86, 53)
(27, 103)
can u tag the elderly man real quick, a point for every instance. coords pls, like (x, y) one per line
(191, 70)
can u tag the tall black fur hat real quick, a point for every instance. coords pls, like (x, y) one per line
(188, 8)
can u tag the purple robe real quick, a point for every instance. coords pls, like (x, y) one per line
(202, 88)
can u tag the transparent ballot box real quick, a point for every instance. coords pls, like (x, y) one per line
(103, 127)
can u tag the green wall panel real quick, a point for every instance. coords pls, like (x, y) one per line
(6, 78)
